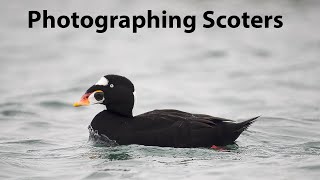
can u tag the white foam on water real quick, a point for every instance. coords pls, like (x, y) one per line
(100, 139)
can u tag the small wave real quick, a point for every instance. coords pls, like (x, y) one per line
(14, 104)
(39, 124)
(47, 93)
(102, 145)
(311, 148)
(54, 104)
(216, 53)
(261, 53)
(311, 167)
(286, 120)
(17, 113)
(28, 142)
(312, 144)
(100, 139)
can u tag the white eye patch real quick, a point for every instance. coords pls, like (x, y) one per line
(93, 100)
(103, 81)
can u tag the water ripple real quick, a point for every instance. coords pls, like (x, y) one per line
(11, 113)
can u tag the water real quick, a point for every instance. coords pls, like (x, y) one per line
(232, 73)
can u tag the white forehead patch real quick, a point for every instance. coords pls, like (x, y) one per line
(103, 81)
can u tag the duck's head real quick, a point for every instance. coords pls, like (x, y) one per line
(113, 91)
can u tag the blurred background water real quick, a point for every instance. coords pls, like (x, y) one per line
(233, 73)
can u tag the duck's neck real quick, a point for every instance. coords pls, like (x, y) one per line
(121, 105)
(123, 110)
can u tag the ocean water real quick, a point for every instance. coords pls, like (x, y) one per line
(231, 73)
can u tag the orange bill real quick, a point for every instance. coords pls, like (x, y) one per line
(84, 101)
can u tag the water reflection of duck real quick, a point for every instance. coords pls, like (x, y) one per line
(171, 128)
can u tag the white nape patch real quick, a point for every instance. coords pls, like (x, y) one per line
(103, 81)
(134, 96)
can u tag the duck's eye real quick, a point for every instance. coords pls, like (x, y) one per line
(111, 85)
(98, 96)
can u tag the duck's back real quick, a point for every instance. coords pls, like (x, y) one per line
(181, 129)
(171, 128)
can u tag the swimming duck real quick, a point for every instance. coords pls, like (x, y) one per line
(164, 128)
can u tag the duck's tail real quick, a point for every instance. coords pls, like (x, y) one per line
(240, 127)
